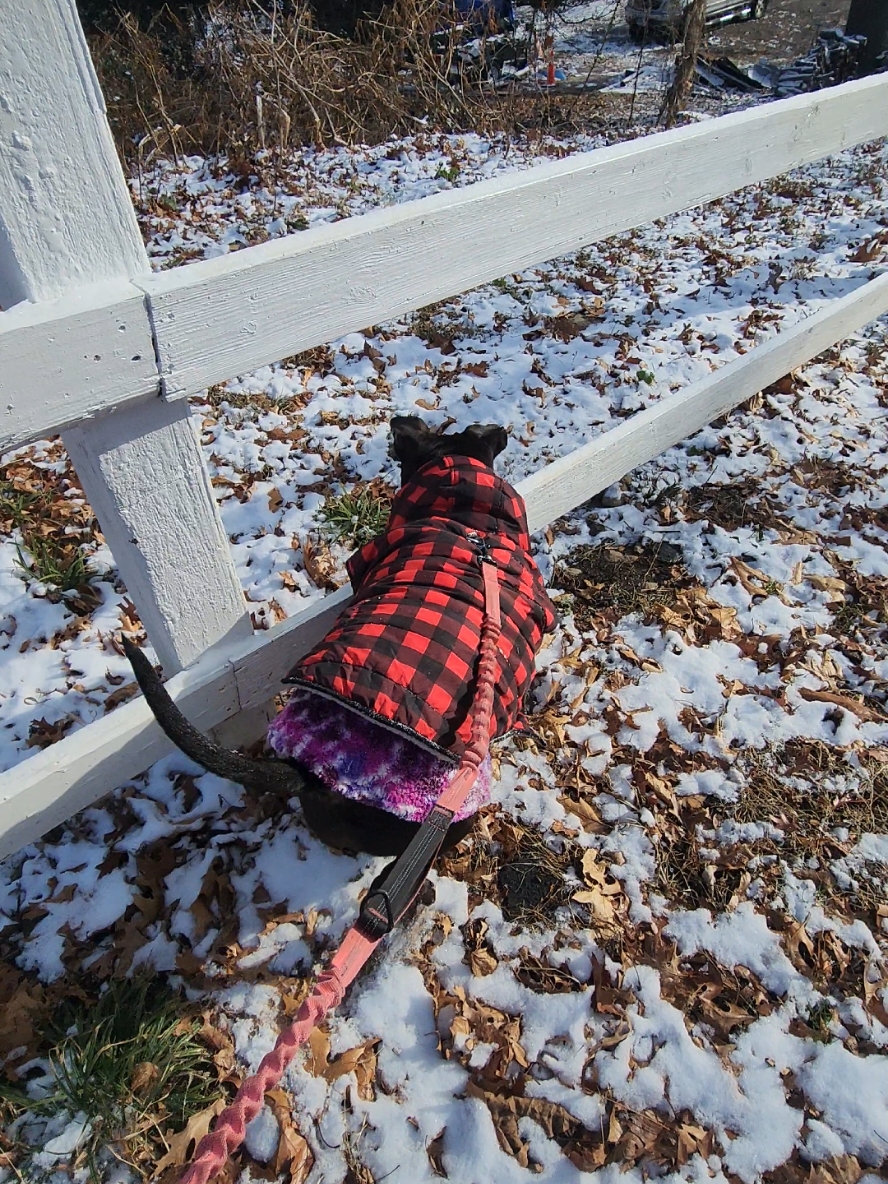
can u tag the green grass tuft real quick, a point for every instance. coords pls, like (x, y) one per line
(55, 532)
(133, 1065)
(358, 516)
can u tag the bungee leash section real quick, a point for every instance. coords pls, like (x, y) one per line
(380, 911)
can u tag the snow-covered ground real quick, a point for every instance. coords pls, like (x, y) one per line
(699, 993)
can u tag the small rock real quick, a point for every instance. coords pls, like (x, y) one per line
(670, 553)
(610, 497)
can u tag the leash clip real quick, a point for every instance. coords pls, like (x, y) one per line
(482, 546)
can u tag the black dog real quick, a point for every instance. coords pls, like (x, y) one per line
(450, 503)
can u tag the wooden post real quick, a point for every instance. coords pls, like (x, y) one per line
(66, 226)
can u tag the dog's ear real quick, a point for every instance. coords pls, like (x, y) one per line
(409, 436)
(493, 437)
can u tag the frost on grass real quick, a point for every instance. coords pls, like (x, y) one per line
(663, 951)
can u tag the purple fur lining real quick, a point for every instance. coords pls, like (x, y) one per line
(367, 762)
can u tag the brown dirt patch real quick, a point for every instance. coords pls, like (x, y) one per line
(731, 506)
(610, 582)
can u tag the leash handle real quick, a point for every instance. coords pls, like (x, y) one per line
(386, 904)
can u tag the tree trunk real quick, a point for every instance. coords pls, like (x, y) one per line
(680, 87)
(870, 17)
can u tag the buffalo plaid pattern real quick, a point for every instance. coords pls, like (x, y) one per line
(405, 650)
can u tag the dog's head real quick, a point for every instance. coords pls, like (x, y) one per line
(414, 443)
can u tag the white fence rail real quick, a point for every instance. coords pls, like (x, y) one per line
(212, 320)
(101, 335)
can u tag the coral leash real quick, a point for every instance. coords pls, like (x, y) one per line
(380, 912)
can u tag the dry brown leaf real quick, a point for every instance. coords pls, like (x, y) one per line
(691, 1140)
(540, 975)
(862, 710)
(277, 613)
(869, 250)
(600, 906)
(129, 617)
(318, 1052)
(874, 984)
(293, 1156)
(475, 1023)
(799, 945)
(751, 579)
(182, 1145)
(22, 1007)
(841, 1169)
(586, 812)
(556, 1122)
(320, 565)
(596, 874)
(480, 955)
(835, 587)
(719, 1012)
(360, 1060)
(601, 891)
(144, 1076)
(121, 695)
(482, 962)
(434, 1150)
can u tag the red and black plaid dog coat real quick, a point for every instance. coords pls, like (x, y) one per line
(404, 652)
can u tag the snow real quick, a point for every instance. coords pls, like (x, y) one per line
(738, 938)
(69, 1139)
(852, 1095)
(263, 1133)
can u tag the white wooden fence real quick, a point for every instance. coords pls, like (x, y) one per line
(93, 345)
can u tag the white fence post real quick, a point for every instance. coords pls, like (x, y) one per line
(67, 222)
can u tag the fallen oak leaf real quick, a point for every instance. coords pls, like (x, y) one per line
(121, 695)
(832, 585)
(869, 250)
(293, 1155)
(865, 713)
(435, 1150)
(586, 812)
(718, 1010)
(145, 1074)
(873, 990)
(320, 565)
(482, 962)
(600, 906)
(360, 1060)
(840, 1169)
(596, 874)
(318, 1052)
(800, 946)
(183, 1144)
(23, 1013)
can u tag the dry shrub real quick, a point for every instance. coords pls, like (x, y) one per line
(253, 82)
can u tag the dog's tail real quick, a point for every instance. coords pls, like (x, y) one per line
(253, 774)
